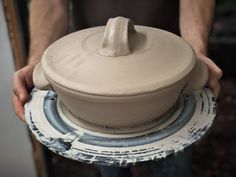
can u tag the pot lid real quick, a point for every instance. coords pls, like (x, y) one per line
(119, 59)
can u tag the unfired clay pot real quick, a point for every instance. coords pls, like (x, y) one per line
(120, 75)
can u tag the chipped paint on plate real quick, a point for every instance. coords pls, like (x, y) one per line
(194, 114)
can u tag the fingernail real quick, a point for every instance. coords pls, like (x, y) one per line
(23, 118)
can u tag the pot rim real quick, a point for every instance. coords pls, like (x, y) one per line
(138, 92)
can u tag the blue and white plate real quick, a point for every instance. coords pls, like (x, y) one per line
(187, 121)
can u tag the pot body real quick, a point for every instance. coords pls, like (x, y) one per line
(133, 78)
(120, 112)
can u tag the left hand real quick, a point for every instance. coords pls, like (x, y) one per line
(215, 73)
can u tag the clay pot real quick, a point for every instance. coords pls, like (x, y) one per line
(120, 75)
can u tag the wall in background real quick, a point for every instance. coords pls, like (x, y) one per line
(16, 158)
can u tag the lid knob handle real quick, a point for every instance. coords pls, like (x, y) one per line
(115, 41)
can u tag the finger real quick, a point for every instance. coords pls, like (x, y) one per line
(215, 87)
(19, 88)
(18, 107)
(28, 78)
(216, 90)
(215, 71)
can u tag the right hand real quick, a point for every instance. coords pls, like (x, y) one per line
(22, 85)
(215, 74)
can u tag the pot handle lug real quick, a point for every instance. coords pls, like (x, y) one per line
(199, 76)
(115, 41)
(39, 78)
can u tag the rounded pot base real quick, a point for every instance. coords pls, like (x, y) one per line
(147, 127)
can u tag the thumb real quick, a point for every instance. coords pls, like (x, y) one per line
(19, 88)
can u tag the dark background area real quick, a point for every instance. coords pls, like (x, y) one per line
(215, 154)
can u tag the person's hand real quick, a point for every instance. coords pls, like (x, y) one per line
(22, 84)
(215, 73)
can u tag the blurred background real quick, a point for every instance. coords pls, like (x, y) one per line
(21, 155)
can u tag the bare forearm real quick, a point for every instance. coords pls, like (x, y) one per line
(48, 22)
(195, 21)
